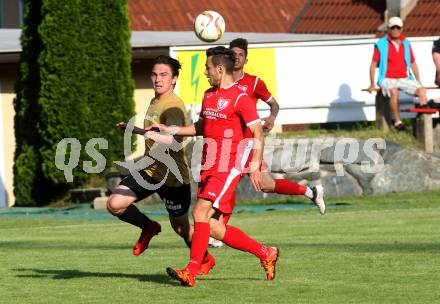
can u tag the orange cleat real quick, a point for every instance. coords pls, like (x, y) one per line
(147, 234)
(207, 265)
(270, 262)
(184, 276)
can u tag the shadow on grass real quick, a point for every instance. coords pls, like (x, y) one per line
(66, 274)
(26, 245)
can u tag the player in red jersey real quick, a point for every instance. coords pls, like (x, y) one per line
(256, 89)
(226, 113)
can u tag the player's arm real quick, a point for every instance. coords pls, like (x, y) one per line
(261, 92)
(168, 132)
(415, 70)
(269, 121)
(172, 129)
(247, 110)
(165, 134)
(257, 155)
(436, 59)
(123, 126)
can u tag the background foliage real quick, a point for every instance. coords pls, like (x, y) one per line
(75, 82)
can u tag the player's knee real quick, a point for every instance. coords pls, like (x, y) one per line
(421, 92)
(266, 189)
(180, 229)
(214, 229)
(113, 206)
(267, 185)
(199, 213)
(394, 92)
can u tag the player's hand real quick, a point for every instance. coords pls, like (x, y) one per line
(156, 127)
(269, 123)
(372, 89)
(121, 125)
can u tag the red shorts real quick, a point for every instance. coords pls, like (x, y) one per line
(219, 188)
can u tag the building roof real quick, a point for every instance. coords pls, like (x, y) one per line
(424, 19)
(353, 17)
(263, 16)
(348, 17)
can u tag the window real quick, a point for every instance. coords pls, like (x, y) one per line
(21, 8)
(1, 13)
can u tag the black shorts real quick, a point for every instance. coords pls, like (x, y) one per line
(177, 199)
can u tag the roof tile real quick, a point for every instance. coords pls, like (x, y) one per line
(264, 16)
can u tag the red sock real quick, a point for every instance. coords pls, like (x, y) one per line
(237, 239)
(285, 186)
(199, 244)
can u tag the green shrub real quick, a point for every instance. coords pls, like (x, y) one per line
(75, 82)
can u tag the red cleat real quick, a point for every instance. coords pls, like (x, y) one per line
(270, 262)
(147, 234)
(207, 264)
(184, 276)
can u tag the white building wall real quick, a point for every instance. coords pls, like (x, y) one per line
(322, 81)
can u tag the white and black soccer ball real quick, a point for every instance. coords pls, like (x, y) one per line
(209, 26)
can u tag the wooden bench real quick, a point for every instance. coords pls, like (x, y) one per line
(424, 126)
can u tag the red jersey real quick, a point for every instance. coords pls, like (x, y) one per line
(396, 67)
(226, 113)
(254, 87)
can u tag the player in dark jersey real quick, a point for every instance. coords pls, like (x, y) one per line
(173, 186)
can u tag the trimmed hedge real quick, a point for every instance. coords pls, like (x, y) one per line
(75, 82)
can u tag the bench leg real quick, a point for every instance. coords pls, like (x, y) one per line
(382, 112)
(424, 131)
(436, 130)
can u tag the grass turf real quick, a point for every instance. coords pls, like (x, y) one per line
(382, 249)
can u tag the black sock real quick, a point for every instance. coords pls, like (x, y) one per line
(133, 216)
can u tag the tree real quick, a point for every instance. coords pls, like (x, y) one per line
(75, 84)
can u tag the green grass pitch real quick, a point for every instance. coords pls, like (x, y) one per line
(383, 249)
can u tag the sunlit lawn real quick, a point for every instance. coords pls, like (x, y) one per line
(374, 250)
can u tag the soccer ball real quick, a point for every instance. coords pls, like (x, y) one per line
(209, 26)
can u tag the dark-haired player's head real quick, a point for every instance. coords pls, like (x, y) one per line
(219, 61)
(174, 64)
(164, 74)
(221, 56)
(240, 48)
(240, 43)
